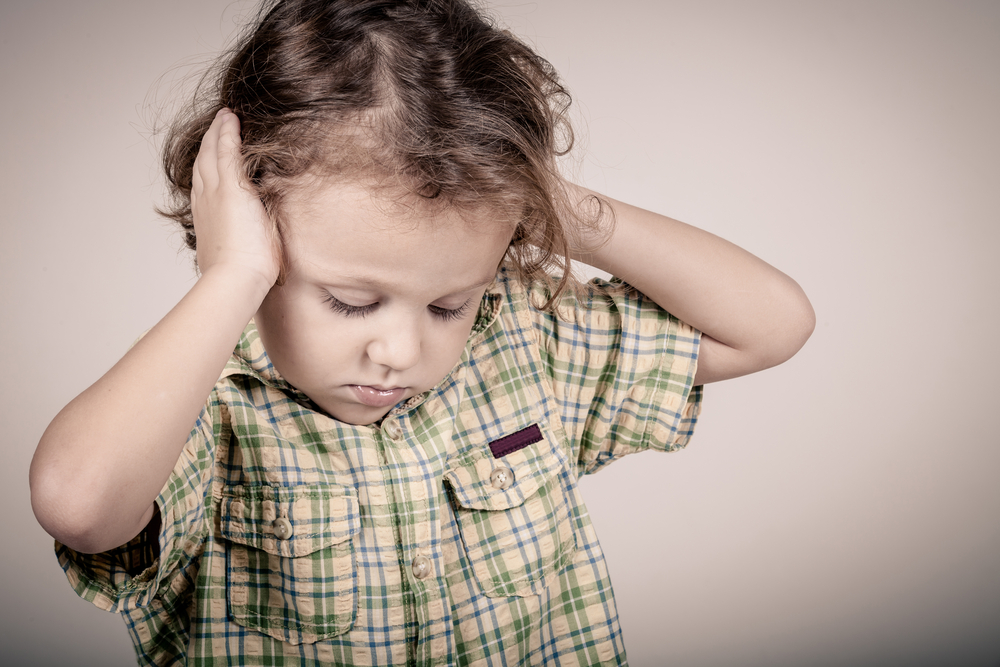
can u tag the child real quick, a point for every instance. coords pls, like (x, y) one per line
(357, 439)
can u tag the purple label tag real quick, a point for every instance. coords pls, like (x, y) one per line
(515, 441)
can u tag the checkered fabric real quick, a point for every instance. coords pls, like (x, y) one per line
(289, 538)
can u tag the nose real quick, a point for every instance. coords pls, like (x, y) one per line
(396, 345)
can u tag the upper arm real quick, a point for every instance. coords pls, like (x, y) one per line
(621, 371)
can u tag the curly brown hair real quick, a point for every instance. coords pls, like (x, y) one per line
(424, 94)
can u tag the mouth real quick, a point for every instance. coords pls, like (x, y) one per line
(378, 397)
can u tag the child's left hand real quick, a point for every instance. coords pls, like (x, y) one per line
(751, 315)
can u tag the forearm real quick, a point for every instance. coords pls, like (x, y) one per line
(752, 315)
(104, 458)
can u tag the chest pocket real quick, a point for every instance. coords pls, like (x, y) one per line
(515, 514)
(290, 559)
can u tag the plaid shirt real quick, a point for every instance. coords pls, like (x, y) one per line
(452, 532)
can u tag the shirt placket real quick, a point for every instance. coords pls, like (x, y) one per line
(415, 484)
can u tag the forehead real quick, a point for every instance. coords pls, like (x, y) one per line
(335, 229)
(312, 200)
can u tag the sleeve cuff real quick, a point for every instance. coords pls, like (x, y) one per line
(121, 579)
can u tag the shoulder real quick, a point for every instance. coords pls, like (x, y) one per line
(597, 308)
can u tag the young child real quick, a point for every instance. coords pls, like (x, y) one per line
(357, 440)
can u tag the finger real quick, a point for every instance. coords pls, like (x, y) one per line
(197, 185)
(229, 142)
(206, 168)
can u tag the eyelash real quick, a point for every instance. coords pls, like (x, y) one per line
(444, 314)
(338, 306)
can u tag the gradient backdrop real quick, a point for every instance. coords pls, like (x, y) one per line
(841, 510)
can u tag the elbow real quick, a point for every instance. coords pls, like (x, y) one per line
(52, 502)
(794, 326)
(807, 323)
(777, 335)
(64, 508)
(802, 322)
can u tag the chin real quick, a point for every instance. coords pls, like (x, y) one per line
(357, 415)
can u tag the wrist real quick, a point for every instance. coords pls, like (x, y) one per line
(237, 280)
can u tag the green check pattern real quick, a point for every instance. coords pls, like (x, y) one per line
(289, 538)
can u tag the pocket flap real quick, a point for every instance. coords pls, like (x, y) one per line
(470, 472)
(289, 521)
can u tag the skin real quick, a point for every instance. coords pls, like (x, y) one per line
(751, 315)
(369, 285)
(366, 302)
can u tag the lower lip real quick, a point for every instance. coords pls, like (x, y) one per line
(378, 398)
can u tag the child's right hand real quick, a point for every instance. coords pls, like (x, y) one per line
(232, 227)
(102, 461)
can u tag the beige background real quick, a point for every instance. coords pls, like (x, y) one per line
(843, 509)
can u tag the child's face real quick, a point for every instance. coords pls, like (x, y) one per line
(379, 298)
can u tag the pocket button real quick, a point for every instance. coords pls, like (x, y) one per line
(282, 528)
(501, 478)
(421, 567)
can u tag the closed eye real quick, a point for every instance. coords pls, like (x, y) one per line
(338, 306)
(449, 315)
(444, 314)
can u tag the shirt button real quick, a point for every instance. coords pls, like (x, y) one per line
(501, 478)
(282, 528)
(394, 430)
(421, 567)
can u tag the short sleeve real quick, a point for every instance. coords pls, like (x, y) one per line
(621, 371)
(128, 578)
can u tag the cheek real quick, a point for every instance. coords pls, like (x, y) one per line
(269, 319)
(288, 308)
(282, 324)
(448, 346)
(302, 336)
